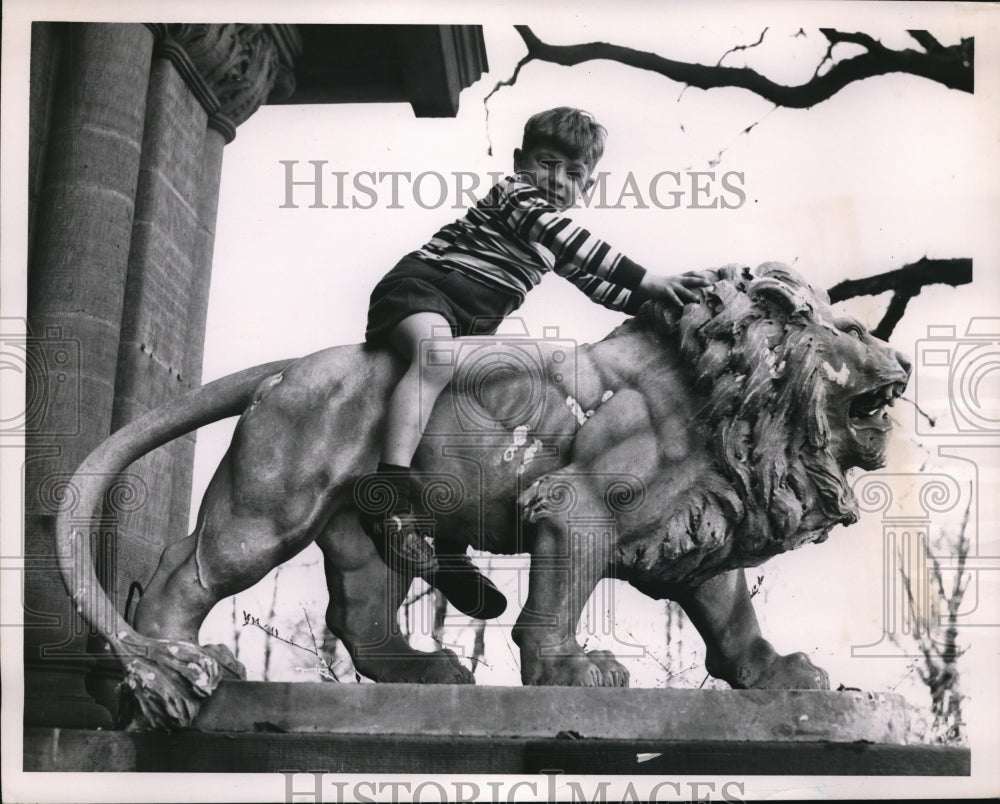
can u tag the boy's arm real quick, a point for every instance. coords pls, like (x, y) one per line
(614, 297)
(607, 276)
(576, 250)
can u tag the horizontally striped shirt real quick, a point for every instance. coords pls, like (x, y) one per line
(514, 236)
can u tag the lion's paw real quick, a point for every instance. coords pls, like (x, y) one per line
(231, 667)
(597, 668)
(439, 667)
(792, 672)
(614, 673)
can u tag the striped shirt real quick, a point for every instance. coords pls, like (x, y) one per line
(514, 236)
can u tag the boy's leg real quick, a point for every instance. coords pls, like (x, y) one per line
(401, 542)
(414, 396)
(397, 532)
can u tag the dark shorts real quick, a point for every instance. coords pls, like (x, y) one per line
(413, 286)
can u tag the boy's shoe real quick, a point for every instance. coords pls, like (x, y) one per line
(466, 588)
(403, 541)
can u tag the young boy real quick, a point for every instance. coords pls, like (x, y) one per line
(472, 274)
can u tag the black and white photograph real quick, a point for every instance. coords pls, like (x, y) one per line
(441, 401)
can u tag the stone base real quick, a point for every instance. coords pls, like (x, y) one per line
(548, 712)
(222, 752)
(362, 728)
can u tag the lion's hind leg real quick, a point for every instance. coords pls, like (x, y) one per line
(365, 596)
(174, 604)
(168, 673)
(238, 540)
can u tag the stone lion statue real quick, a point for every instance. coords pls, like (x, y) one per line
(680, 449)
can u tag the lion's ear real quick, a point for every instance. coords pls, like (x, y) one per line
(775, 296)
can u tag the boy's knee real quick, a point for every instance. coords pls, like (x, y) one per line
(436, 376)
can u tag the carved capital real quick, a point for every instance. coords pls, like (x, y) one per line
(231, 68)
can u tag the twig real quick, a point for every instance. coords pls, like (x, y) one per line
(742, 47)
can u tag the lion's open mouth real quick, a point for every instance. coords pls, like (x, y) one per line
(868, 410)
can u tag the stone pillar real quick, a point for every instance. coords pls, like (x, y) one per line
(210, 171)
(83, 230)
(47, 43)
(154, 337)
(205, 80)
(232, 69)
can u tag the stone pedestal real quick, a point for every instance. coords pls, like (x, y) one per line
(400, 728)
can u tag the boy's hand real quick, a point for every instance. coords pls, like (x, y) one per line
(677, 290)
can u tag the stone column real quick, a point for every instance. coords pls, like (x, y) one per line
(210, 171)
(154, 338)
(83, 231)
(205, 80)
(238, 67)
(47, 43)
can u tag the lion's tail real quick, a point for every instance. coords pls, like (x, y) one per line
(84, 496)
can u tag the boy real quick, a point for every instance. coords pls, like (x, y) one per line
(466, 279)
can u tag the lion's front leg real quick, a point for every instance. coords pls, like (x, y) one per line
(735, 651)
(566, 565)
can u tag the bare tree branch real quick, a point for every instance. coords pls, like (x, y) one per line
(893, 315)
(479, 643)
(869, 43)
(927, 41)
(950, 66)
(906, 282)
(910, 278)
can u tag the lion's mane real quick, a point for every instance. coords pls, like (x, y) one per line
(751, 349)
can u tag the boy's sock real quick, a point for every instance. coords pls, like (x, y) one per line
(399, 477)
(401, 540)
(455, 576)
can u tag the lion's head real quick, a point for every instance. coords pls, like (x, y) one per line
(794, 397)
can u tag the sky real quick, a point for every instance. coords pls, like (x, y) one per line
(886, 172)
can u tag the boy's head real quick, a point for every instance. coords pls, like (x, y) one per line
(560, 148)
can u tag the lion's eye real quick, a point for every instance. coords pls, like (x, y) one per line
(851, 328)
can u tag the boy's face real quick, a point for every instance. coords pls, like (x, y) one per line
(556, 174)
